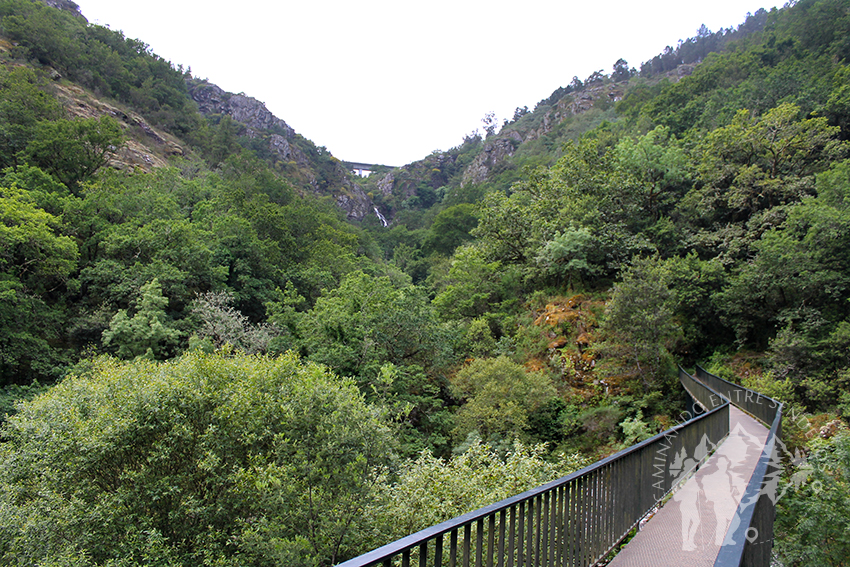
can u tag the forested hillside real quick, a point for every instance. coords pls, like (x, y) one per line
(212, 353)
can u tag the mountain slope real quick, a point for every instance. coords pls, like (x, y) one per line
(124, 72)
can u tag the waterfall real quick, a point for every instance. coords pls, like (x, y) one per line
(380, 216)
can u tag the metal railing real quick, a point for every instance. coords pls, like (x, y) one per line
(573, 521)
(758, 405)
(702, 393)
(753, 535)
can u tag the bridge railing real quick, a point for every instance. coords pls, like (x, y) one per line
(573, 521)
(758, 405)
(753, 534)
(702, 393)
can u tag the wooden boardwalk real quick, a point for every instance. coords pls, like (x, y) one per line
(691, 527)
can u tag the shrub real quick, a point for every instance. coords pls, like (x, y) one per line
(209, 459)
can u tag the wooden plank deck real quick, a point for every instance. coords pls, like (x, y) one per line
(691, 527)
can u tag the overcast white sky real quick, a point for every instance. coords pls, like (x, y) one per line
(389, 81)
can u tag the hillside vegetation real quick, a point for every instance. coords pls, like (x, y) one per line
(213, 353)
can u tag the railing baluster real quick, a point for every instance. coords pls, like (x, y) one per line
(544, 532)
(607, 509)
(553, 527)
(520, 561)
(585, 519)
(502, 527)
(529, 540)
(559, 554)
(596, 514)
(579, 522)
(572, 512)
(438, 552)
(538, 508)
(467, 539)
(601, 536)
(479, 543)
(491, 540)
(590, 515)
(453, 549)
(511, 537)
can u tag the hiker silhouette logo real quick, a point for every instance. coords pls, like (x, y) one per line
(712, 494)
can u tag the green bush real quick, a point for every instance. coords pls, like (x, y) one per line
(210, 459)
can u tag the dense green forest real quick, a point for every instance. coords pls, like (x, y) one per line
(206, 361)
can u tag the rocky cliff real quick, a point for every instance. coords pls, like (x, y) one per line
(251, 113)
(492, 155)
(66, 5)
(322, 173)
(145, 147)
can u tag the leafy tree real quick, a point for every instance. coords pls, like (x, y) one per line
(74, 150)
(490, 123)
(621, 71)
(793, 294)
(503, 226)
(810, 529)
(211, 459)
(41, 188)
(583, 190)
(45, 34)
(754, 165)
(657, 168)
(696, 286)
(565, 256)
(367, 321)
(639, 328)
(520, 112)
(223, 141)
(838, 104)
(450, 229)
(35, 261)
(383, 332)
(500, 396)
(32, 252)
(24, 102)
(30, 329)
(148, 333)
(222, 325)
(102, 60)
(472, 286)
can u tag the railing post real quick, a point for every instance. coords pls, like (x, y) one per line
(511, 536)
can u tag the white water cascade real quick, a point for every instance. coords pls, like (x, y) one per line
(380, 216)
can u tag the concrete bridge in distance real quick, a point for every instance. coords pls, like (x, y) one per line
(364, 169)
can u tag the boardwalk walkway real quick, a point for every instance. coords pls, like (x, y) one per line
(684, 532)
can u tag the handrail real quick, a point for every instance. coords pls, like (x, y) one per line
(574, 520)
(700, 392)
(750, 542)
(762, 407)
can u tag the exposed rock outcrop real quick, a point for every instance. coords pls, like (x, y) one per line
(66, 5)
(145, 146)
(578, 103)
(355, 202)
(494, 153)
(288, 152)
(246, 110)
(252, 114)
(385, 184)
